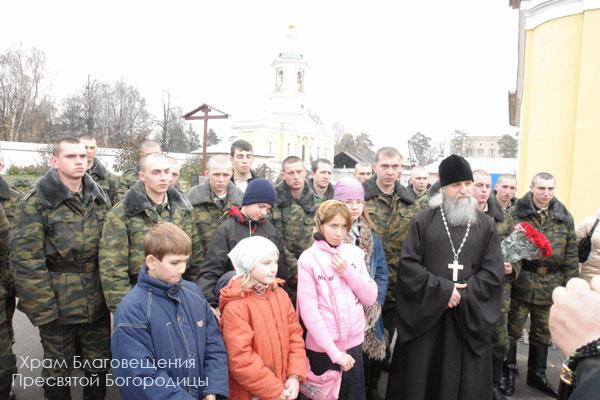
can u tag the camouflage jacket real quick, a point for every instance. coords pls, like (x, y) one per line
(6, 278)
(422, 199)
(504, 226)
(295, 219)
(318, 199)
(122, 242)
(9, 200)
(107, 181)
(392, 215)
(209, 212)
(56, 233)
(126, 181)
(557, 224)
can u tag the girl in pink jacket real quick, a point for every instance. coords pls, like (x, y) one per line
(333, 287)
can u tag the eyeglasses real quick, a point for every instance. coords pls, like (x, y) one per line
(353, 203)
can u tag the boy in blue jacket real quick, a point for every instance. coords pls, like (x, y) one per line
(166, 343)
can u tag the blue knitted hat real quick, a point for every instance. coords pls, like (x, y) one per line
(259, 190)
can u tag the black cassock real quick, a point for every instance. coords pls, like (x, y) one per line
(444, 353)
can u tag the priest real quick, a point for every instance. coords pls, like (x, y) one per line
(449, 291)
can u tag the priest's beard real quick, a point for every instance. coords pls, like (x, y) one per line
(459, 211)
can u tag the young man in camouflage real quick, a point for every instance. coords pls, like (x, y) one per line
(54, 253)
(419, 183)
(392, 209)
(242, 157)
(131, 175)
(213, 199)
(294, 214)
(320, 180)
(481, 191)
(532, 291)
(505, 189)
(149, 201)
(9, 199)
(107, 181)
(362, 171)
(8, 362)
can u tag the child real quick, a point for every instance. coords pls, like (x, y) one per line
(262, 334)
(333, 286)
(165, 334)
(351, 192)
(248, 221)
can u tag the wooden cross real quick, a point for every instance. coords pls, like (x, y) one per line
(455, 267)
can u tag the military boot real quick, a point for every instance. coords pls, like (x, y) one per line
(496, 377)
(97, 391)
(509, 370)
(536, 369)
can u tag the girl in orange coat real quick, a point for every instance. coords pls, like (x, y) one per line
(262, 334)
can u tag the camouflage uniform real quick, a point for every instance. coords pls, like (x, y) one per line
(210, 211)
(126, 181)
(532, 292)
(122, 242)
(422, 199)
(54, 253)
(107, 181)
(392, 214)
(504, 225)
(295, 219)
(328, 195)
(9, 199)
(8, 362)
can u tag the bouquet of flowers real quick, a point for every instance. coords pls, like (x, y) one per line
(525, 242)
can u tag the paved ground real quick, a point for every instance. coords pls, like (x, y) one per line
(28, 344)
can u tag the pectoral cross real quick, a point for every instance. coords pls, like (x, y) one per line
(455, 267)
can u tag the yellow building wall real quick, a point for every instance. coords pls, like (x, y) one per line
(560, 110)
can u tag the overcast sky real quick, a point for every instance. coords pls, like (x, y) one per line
(388, 68)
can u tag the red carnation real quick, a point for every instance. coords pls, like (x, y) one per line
(525, 242)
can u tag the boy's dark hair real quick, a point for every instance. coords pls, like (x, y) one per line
(240, 145)
(67, 139)
(290, 160)
(315, 164)
(166, 238)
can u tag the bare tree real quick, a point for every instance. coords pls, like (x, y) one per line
(21, 79)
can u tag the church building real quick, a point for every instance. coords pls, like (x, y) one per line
(288, 126)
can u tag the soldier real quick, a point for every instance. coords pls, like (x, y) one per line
(107, 181)
(362, 171)
(481, 190)
(505, 189)
(131, 175)
(294, 215)
(320, 180)
(532, 292)
(419, 183)
(9, 199)
(242, 157)
(8, 362)
(149, 201)
(175, 173)
(392, 208)
(54, 253)
(213, 199)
